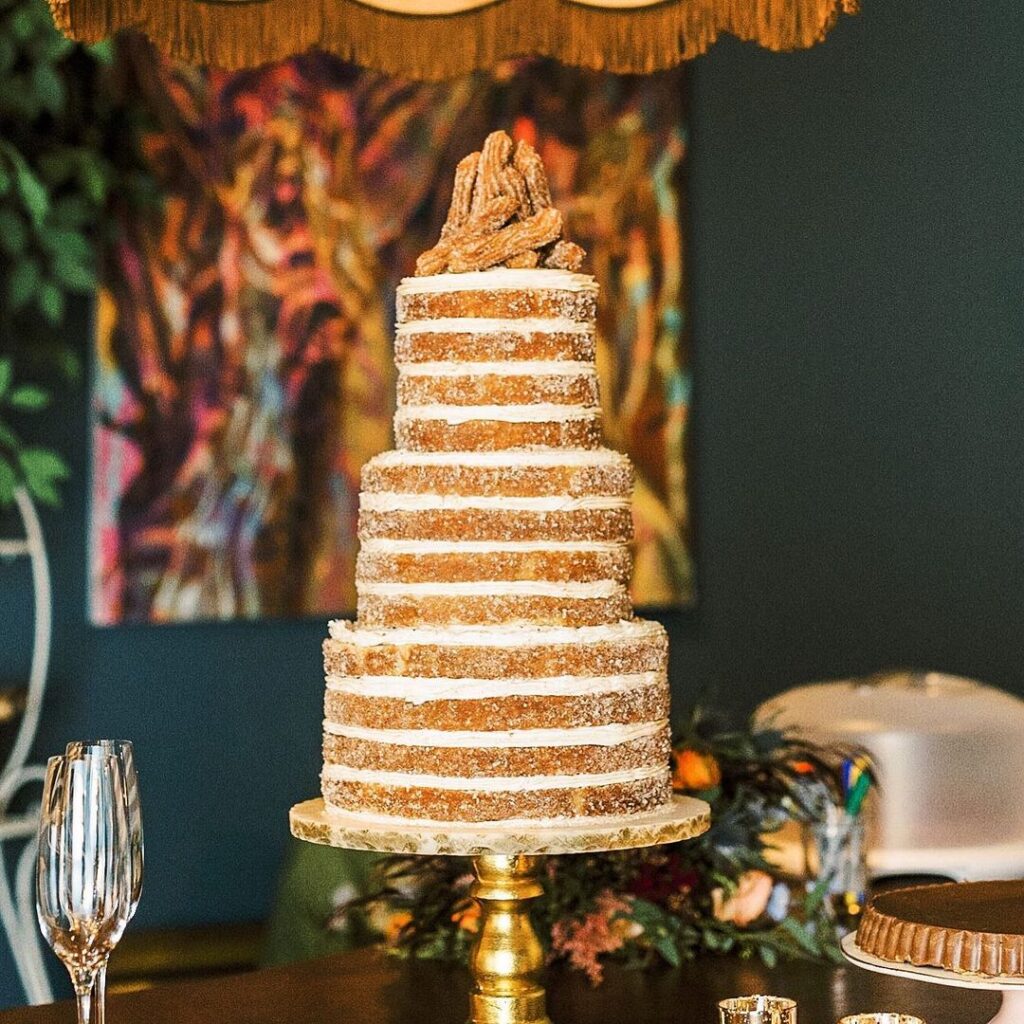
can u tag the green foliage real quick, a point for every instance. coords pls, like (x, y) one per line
(67, 151)
(37, 469)
(665, 904)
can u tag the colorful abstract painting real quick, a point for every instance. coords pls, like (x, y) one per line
(243, 368)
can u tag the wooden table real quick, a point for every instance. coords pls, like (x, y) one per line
(368, 988)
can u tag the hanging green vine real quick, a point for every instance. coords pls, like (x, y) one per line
(67, 146)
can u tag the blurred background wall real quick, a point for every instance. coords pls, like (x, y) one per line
(856, 256)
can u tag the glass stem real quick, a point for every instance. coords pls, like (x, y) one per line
(99, 994)
(84, 982)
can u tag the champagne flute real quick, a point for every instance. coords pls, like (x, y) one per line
(83, 869)
(125, 754)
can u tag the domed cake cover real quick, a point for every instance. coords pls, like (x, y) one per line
(949, 752)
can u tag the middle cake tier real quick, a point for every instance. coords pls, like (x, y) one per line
(472, 538)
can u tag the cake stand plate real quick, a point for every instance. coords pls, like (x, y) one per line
(1011, 1011)
(681, 818)
(507, 957)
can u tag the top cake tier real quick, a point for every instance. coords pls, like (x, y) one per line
(503, 293)
(500, 359)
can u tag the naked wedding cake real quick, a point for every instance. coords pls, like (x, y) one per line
(495, 671)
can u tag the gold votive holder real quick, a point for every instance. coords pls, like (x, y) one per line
(757, 1010)
(881, 1018)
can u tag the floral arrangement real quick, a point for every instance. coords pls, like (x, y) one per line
(718, 893)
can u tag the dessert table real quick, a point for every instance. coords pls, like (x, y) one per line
(366, 987)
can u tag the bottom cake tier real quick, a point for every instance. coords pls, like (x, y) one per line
(492, 725)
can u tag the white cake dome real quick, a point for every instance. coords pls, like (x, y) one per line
(950, 759)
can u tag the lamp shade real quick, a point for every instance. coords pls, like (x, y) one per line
(435, 39)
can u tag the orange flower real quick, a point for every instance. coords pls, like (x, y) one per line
(467, 916)
(694, 770)
(747, 903)
(395, 923)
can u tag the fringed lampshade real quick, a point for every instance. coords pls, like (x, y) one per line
(434, 39)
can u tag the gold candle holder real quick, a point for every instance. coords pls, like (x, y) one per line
(881, 1018)
(757, 1010)
(507, 958)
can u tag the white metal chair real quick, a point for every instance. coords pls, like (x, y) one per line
(18, 828)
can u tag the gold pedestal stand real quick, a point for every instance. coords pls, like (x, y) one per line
(507, 957)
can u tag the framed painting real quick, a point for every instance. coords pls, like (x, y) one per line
(243, 363)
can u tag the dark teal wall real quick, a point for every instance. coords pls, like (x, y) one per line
(858, 302)
(856, 274)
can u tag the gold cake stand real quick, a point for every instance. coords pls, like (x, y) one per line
(507, 957)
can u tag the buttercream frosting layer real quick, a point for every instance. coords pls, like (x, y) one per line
(475, 547)
(455, 414)
(500, 279)
(502, 460)
(483, 325)
(423, 689)
(384, 501)
(492, 588)
(501, 368)
(490, 784)
(497, 635)
(594, 735)
(369, 818)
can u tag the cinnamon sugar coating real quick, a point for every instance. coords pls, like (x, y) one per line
(550, 711)
(473, 762)
(475, 805)
(476, 346)
(416, 388)
(612, 479)
(421, 435)
(603, 524)
(377, 611)
(497, 564)
(647, 652)
(499, 303)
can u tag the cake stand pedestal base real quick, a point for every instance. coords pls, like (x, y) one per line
(1011, 1011)
(507, 957)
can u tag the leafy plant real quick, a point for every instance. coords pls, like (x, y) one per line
(66, 150)
(38, 469)
(716, 894)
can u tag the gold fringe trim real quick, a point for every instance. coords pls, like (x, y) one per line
(235, 35)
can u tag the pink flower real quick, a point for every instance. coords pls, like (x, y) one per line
(747, 903)
(583, 941)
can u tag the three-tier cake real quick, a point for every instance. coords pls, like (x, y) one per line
(495, 671)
